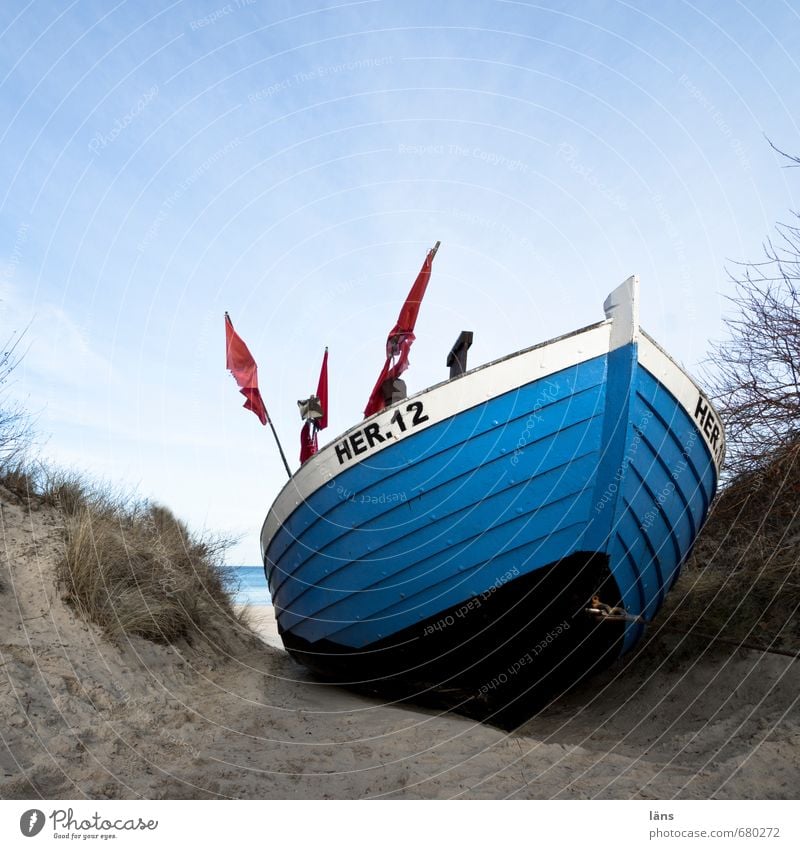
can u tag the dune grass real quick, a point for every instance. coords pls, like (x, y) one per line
(130, 565)
(742, 583)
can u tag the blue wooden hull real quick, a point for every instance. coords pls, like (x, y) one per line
(597, 464)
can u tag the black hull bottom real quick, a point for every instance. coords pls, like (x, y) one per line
(499, 657)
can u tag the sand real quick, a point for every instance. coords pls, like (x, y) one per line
(82, 716)
(261, 619)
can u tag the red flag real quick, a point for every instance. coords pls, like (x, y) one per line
(308, 441)
(376, 402)
(408, 314)
(322, 393)
(398, 343)
(239, 361)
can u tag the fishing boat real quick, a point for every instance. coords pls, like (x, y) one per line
(493, 540)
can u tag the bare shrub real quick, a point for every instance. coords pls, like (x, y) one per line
(16, 432)
(742, 583)
(754, 375)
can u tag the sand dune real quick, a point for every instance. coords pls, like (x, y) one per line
(84, 717)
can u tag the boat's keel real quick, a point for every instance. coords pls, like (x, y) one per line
(498, 657)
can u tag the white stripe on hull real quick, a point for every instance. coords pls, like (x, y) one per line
(688, 394)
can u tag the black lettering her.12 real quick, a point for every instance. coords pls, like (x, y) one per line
(362, 440)
(707, 421)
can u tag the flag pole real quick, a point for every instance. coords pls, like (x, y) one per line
(240, 363)
(280, 447)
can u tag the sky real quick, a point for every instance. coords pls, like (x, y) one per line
(292, 162)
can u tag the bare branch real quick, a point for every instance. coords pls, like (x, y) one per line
(15, 425)
(754, 374)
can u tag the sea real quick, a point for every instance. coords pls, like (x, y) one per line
(252, 586)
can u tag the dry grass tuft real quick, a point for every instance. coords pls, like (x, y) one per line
(19, 480)
(66, 490)
(130, 565)
(134, 568)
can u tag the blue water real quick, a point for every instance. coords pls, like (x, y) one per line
(252, 585)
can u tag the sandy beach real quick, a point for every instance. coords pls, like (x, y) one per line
(261, 619)
(86, 717)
